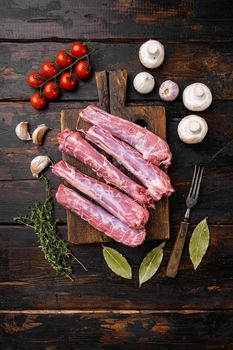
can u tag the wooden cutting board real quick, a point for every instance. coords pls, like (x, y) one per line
(112, 94)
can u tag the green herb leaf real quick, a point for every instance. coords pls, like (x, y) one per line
(199, 243)
(55, 249)
(117, 263)
(150, 264)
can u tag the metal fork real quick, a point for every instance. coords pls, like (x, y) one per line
(191, 201)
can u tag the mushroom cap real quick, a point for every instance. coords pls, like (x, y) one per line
(197, 97)
(144, 82)
(151, 54)
(192, 129)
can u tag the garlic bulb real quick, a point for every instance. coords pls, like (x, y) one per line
(197, 97)
(38, 164)
(21, 131)
(192, 129)
(144, 83)
(151, 54)
(39, 133)
(168, 90)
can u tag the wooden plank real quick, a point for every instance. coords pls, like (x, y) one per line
(173, 20)
(27, 282)
(15, 154)
(173, 330)
(213, 67)
(214, 201)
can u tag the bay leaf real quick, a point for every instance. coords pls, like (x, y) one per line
(150, 264)
(199, 243)
(117, 262)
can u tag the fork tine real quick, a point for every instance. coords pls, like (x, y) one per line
(197, 189)
(193, 179)
(196, 180)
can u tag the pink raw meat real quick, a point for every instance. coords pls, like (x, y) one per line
(73, 144)
(117, 203)
(151, 146)
(156, 181)
(99, 218)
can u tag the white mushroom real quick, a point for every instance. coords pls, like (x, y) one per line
(151, 54)
(197, 97)
(144, 83)
(192, 129)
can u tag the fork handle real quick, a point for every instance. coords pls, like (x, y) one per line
(174, 260)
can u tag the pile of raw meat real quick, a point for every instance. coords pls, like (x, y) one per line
(120, 210)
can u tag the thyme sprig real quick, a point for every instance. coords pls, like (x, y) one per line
(56, 251)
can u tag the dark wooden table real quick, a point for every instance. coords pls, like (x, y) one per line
(39, 310)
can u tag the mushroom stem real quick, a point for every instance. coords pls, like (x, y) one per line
(198, 91)
(194, 126)
(152, 49)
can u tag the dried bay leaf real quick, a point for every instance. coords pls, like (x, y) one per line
(150, 264)
(199, 243)
(117, 262)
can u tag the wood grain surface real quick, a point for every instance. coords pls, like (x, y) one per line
(117, 19)
(39, 310)
(172, 330)
(210, 63)
(27, 278)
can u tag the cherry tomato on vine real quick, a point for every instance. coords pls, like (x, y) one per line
(37, 101)
(51, 91)
(63, 59)
(79, 49)
(49, 69)
(68, 81)
(35, 79)
(83, 69)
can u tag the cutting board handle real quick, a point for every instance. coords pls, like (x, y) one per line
(102, 90)
(117, 89)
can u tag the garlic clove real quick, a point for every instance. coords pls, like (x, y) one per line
(168, 90)
(38, 164)
(21, 131)
(197, 97)
(144, 82)
(151, 54)
(192, 129)
(39, 133)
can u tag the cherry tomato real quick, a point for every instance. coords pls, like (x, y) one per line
(67, 81)
(35, 79)
(37, 101)
(63, 59)
(49, 69)
(51, 91)
(83, 69)
(79, 49)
